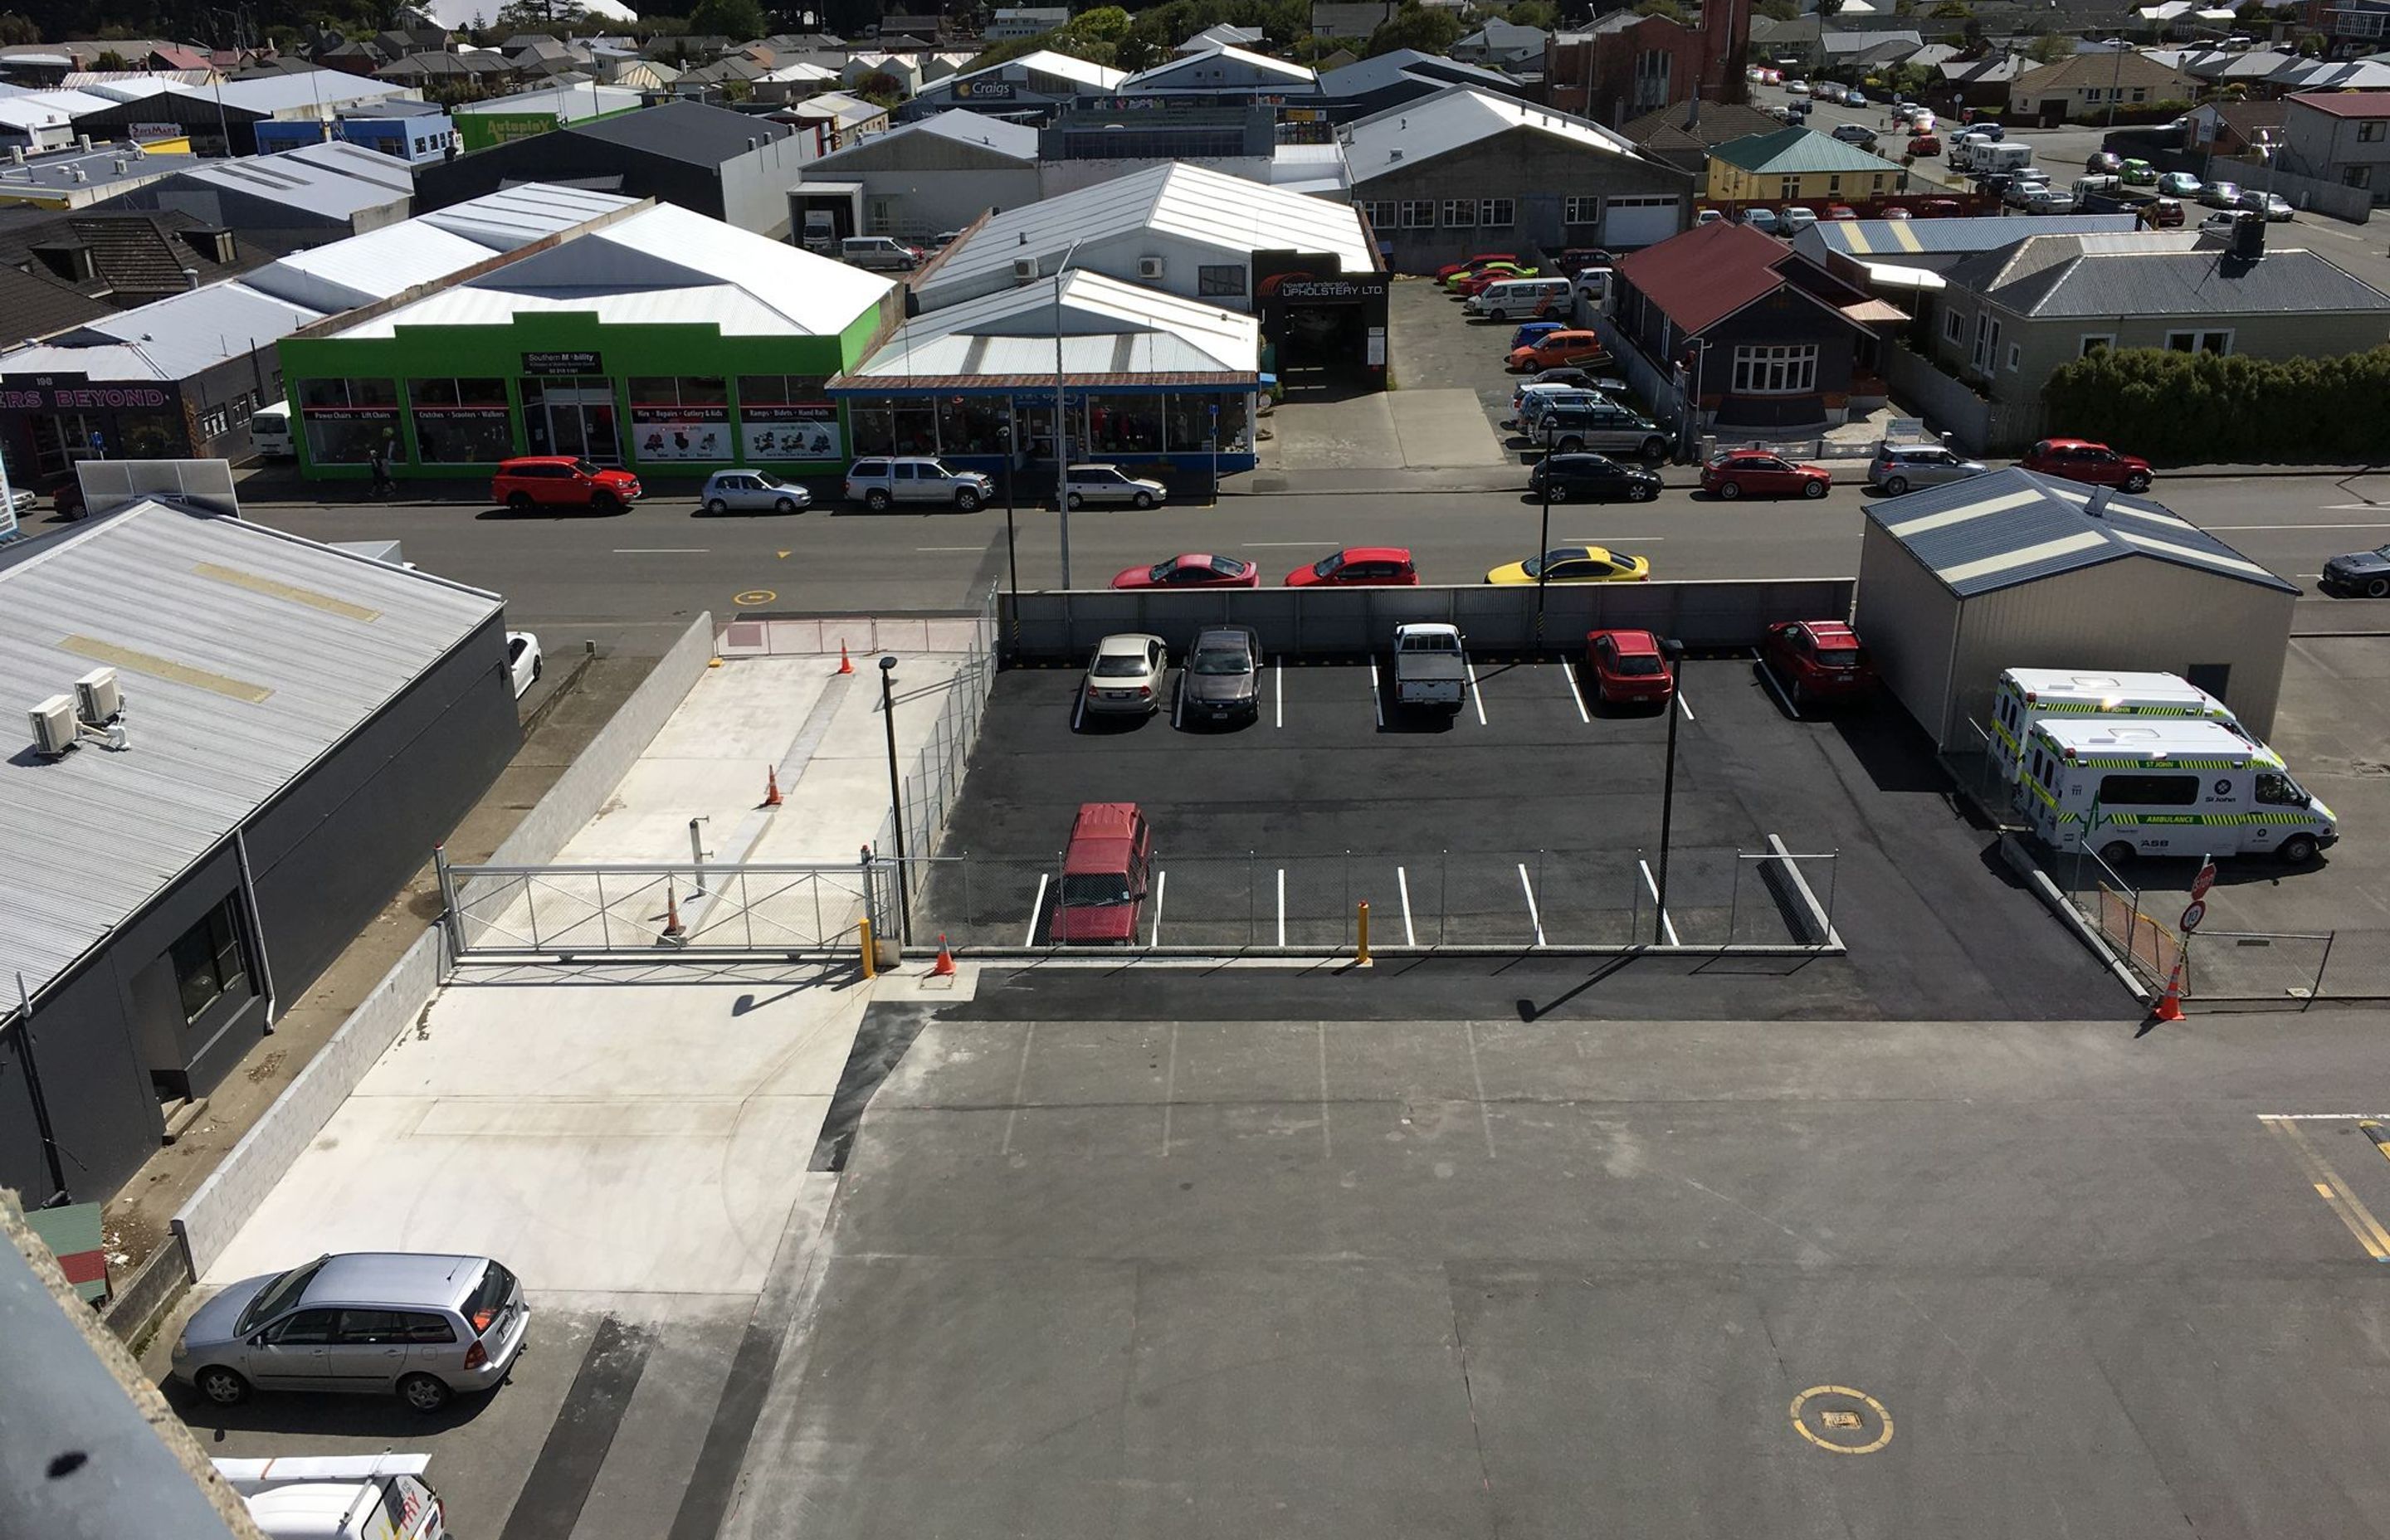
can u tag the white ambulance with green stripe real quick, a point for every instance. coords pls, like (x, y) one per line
(2128, 786)
(2022, 693)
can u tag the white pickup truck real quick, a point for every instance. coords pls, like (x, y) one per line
(1430, 670)
(338, 1497)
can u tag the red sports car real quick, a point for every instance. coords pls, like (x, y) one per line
(1815, 660)
(1192, 571)
(1628, 665)
(1759, 473)
(1359, 566)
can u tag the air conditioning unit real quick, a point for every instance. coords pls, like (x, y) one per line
(1024, 270)
(97, 700)
(1149, 267)
(54, 726)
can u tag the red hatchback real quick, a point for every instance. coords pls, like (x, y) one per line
(1452, 270)
(1815, 660)
(2081, 460)
(1193, 572)
(1628, 665)
(560, 481)
(1359, 566)
(1105, 869)
(1759, 473)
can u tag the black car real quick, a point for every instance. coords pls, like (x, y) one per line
(1591, 478)
(1568, 374)
(1995, 184)
(2366, 573)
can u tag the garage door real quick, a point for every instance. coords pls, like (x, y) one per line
(1627, 221)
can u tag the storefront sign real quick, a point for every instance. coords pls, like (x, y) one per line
(983, 90)
(350, 414)
(72, 398)
(460, 414)
(563, 362)
(680, 433)
(792, 431)
(1343, 290)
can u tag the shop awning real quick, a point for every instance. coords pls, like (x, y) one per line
(1875, 313)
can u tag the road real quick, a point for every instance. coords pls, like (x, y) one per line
(632, 581)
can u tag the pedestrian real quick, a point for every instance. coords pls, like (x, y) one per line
(380, 461)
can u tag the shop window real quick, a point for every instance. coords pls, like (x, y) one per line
(346, 419)
(901, 426)
(785, 416)
(1126, 425)
(149, 435)
(680, 418)
(208, 961)
(461, 421)
(970, 425)
(1220, 280)
(1498, 213)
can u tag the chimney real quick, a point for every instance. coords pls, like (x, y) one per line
(190, 278)
(83, 142)
(2097, 507)
(1693, 110)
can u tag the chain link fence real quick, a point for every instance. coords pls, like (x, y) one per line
(2142, 925)
(935, 780)
(597, 909)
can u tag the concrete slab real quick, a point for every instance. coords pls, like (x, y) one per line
(1358, 430)
(1443, 429)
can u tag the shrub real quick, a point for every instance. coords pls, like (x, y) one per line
(2208, 408)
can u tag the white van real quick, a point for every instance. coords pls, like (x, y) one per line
(2022, 695)
(1499, 301)
(2003, 157)
(2127, 786)
(269, 430)
(338, 1497)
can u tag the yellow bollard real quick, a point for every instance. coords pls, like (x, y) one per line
(870, 970)
(1362, 959)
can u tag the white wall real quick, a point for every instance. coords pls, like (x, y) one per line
(930, 202)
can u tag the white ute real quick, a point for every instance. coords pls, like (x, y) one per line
(1430, 670)
(338, 1497)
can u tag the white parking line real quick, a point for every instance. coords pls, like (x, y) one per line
(1282, 905)
(1767, 678)
(671, 550)
(2243, 528)
(1682, 704)
(1474, 693)
(1568, 671)
(1278, 692)
(1079, 713)
(1531, 903)
(1036, 909)
(1666, 924)
(950, 547)
(1161, 886)
(1402, 880)
(1377, 701)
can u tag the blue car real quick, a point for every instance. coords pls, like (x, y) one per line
(1531, 333)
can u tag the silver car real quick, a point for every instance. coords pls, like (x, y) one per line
(1897, 468)
(1109, 483)
(1222, 680)
(1126, 675)
(878, 483)
(751, 491)
(427, 1327)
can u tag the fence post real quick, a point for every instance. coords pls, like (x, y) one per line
(870, 968)
(604, 930)
(870, 892)
(1442, 895)
(448, 916)
(1348, 898)
(1361, 951)
(1249, 898)
(1635, 897)
(970, 917)
(2316, 989)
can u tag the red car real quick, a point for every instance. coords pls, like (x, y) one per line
(1937, 207)
(1105, 869)
(1628, 665)
(2081, 460)
(1452, 270)
(1559, 350)
(1359, 566)
(1193, 572)
(1759, 473)
(1841, 210)
(1924, 146)
(560, 481)
(1815, 660)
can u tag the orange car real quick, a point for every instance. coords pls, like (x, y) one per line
(1560, 349)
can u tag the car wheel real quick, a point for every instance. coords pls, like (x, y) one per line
(717, 506)
(222, 1386)
(1142, 500)
(786, 505)
(424, 1392)
(1555, 491)
(2137, 481)
(518, 501)
(2299, 849)
(1654, 447)
(2378, 589)
(537, 665)
(1894, 486)
(1730, 490)
(1638, 493)
(1075, 500)
(602, 502)
(875, 500)
(1813, 489)
(1497, 315)
(1570, 446)
(2118, 852)
(967, 500)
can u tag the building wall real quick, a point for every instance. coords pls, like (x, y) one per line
(928, 203)
(1909, 621)
(1784, 318)
(2337, 149)
(1730, 183)
(1537, 173)
(564, 156)
(755, 186)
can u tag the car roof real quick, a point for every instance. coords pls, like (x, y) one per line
(1377, 553)
(1829, 631)
(537, 459)
(1125, 642)
(1244, 633)
(394, 1278)
(1100, 839)
(2070, 443)
(1601, 552)
(1205, 558)
(1630, 641)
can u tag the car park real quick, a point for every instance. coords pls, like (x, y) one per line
(1109, 483)
(878, 483)
(1126, 675)
(1816, 660)
(1574, 564)
(524, 663)
(2081, 460)
(1898, 467)
(1602, 425)
(2365, 572)
(2220, 194)
(1359, 567)
(2274, 206)
(1591, 478)
(2179, 183)
(1561, 348)
(1192, 571)
(1924, 146)
(428, 1327)
(562, 480)
(1629, 667)
(1762, 473)
(1222, 679)
(2164, 213)
(1107, 865)
(750, 492)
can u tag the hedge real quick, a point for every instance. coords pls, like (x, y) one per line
(2207, 408)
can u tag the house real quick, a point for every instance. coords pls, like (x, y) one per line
(1793, 43)
(1017, 21)
(926, 177)
(904, 69)
(1683, 134)
(1979, 82)
(1226, 35)
(1503, 45)
(1855, 53)
(1355, 18)
(793, 82)
(832, 120)
(640, 75)
(1224, 73)
(2352, 29)
(2342, 137)
(2089, 86)
(1626, 65)
(2237, 128)
(1796, 165)
(1763, 340)
(118, 258)
(1468, 169)
(1400, 75)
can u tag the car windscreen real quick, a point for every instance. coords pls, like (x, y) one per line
(1639, 664)
(1160, 571)
(585, 467)
(1094, 888)
(1220, 660)
(278, 1296)
(1119, 665)
(490, 1297)
(1838, 657)
(1328, 566)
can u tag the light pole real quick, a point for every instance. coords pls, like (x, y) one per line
(1011, 557)
(896, 801)
(1543, 546)
(1062, 428)
(1673, 650)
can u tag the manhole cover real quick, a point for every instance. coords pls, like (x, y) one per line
(1847, 1421)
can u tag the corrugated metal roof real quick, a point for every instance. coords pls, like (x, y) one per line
(369, 267)
(1110, 329)
(2014, 526)
(572, 103)
(515, 216)
(2059, 276)
(1044, 62)
(319, 184)
(1797, 151)
(1458, 117)
(1891, 240)
(250, 654)
(1160, 77)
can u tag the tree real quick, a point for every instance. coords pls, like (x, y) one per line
(110, 59)
(880, 88)
(1668, 8)
(1539, 14)
(1952, 11)
(2050, 48)
(736, 19)
(16, 28)
(1431, 32)
(1779, 11)
(537, 16)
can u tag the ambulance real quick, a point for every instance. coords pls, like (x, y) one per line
(2023, 694)
(338, 1497)
(2127, 786)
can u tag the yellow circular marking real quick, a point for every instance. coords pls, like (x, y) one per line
(1869, 1402)
(753, 598)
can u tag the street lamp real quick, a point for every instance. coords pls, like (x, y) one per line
(896, 800)
(1061, 422)
(1543, 546)
(1675, 652)
(1012, 556)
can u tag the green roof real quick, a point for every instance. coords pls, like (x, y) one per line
(1791, 151)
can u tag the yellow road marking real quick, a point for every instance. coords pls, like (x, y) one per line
(1874, 1405)
(2336, 1194)
(753, 596)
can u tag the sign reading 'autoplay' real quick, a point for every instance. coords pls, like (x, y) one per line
(564, 363)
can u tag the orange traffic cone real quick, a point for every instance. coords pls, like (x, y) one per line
(945, 967)
(2169, 1006)
(845, 663)
(771, 786)
(674, 928)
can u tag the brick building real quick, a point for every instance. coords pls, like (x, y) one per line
(1626, 66)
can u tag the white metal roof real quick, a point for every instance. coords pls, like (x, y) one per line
(1160, 76)
(515, 216)
(2144, 736)
(1044, 61)
(572, 102)
(281, 92)
(1109, 328)
(244, 655)
(2119, 688)
(339, 186)
(1454, 119)
(369, 267)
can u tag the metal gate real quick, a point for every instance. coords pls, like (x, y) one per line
(640, 910)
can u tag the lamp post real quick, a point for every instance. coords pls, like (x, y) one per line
(1673, 650)
(1012, 556)
(896, 801)
(1061, 425)
(1543, 546)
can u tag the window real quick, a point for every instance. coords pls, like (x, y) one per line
(2149, 790)
(346, 419)
(1383, 214)
(307, 1328)
(1460, 213)
(2371, 130)
(1498, 213)
(680, 418)
(1224, 278)
(790, 418)
(1580, 211)
(461, 421)
(1418, 213)
(1833, 184)
(429, 1329)
(1953, 326)
(371, 1327)
(1775, 371)
(207, 961)
(2141, 93)
(213, 421)
(2015, 350)
(1987, 342)
(2199, 341)
(2092, 343)
(1791, 187)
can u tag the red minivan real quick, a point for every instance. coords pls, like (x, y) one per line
(1106, 869)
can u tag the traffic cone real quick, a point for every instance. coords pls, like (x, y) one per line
(673, 929)
(945, 967)
(845, 663)
(2169, 1007)
(771, 786)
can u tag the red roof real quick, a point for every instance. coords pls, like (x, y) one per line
(1708, 274)
(181, 58)
(2346, 104)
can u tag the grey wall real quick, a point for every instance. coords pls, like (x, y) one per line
(1537, 172)
(1908, 618)
(755, 186)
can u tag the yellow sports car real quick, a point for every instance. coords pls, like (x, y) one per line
(1574, 564)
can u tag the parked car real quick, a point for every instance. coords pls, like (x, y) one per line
(561, 481)
(1222, 679)
(1470, 263)
(428, 1327)
(1938, 208)
(1601, 425)
(1762, 220)
(1793, 218)
(2105, 184)
(1898, 467)
(1561, 348)
(1359, 567)
(1529, 405)
(1796, 87)
(1592, 284)
(1762, 473)
(1995, 184)
(755, 491)
(1856, 133)
(1924, 146)
(2165, 214)
(1854, 96)
(1895, 212)
(1708, 216)
(1591, 478)
(879, 482)
(2366, 573)
(1574, 564)
(880, 253)
(1989, 128)
(1480, 279)
(1568, 374)
(2103, 162)
(2221, 194)
(379, 1497)
(1125, 675)
(1815, 660)
(2179, 183)
(1109, 483)
(1841, 210)
(522, 660)
(2047, 200)
(2081, 460)
(1430, 668)
(2138, 174)
(1193, 570)
(1106, 869)
(2274, 206)
(1530, 333)
(1627, 666)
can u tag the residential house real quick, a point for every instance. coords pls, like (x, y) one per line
(640, 75)
(1795, 44)
(448, 73)
(1626, 65)
(793, 82)
(1795, 165)
(1350, 17)
(2227, 128)
(2342, 137)
(1683, 136)
(2351, 29)
(1853, 54)
(904, 69)
(1503, 45)
(1228, 34)
(832, 120)
(2089, 86)
(1401, 75)
(1983, 81)
(117, 258)
(1018, 21)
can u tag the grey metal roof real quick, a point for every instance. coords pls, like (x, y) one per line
(1891, 240)
(2014, 526)
(684, 131)
(244, 654)
(2161, 273)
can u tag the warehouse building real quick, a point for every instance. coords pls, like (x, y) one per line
(2015, 569)
(299, 727)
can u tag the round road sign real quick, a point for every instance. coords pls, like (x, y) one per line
(2192, 913)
